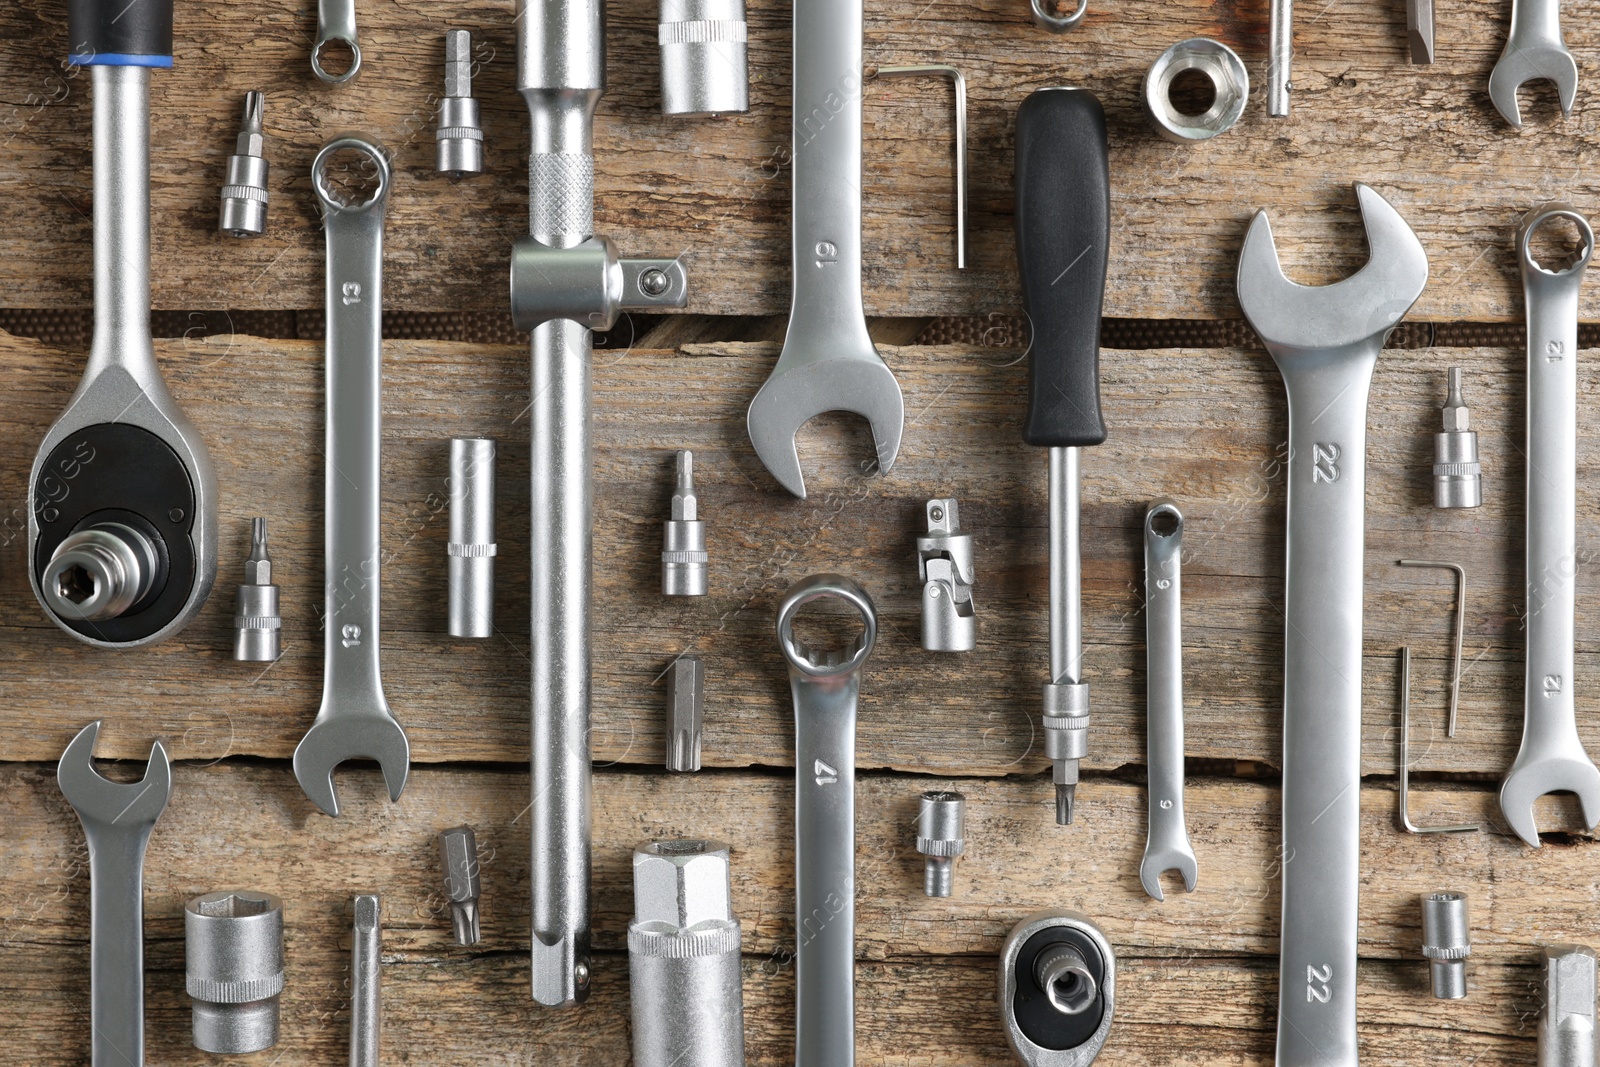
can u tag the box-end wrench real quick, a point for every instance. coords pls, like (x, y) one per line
(122, 528)
(1534, 51)
(117, 819)
(1167, 838)
(354, 720)
(1552, 757)
(1325, 342)
(336, 25)
(828, 361)
(825, 686)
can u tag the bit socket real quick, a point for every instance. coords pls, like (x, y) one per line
(1457, 475)
(683, 543)
(941, 837)
(459, 137)
(257, 622)
(1567, 1027)
(458, 851)
(233, 950)
(472, 547)
(1446, 942)
(244, 191)
(686, 706)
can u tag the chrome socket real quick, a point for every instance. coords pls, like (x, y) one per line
(1229, 81)
(244, 191)
(459, 137)
(471, 549)
(683, 541)
(257, 621)
(233, 951)
(99, 572)
(1446, 942)
(704, 70)
(1457, 475)
(941, 837)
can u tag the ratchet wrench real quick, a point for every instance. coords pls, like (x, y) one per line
(336, 24)
(1167, 840)
(1552, 757)
(354, 720)
(826, 686)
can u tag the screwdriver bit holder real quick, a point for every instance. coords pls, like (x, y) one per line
(244, 192)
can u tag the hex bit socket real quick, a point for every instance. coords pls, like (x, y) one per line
(459, 137)
(257, 618)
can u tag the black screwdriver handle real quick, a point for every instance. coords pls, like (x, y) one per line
(119, 33)
(1063, 205)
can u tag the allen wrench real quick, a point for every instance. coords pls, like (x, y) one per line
(1461, 626)
(959, 81)
(1405, 757)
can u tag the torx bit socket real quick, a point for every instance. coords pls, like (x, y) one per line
(458, 851)
(459, 136)
(233, 952)
(244, 191)
(257, 623)
(686, 704)
(1446, 943)
(1457, 476)
(683, 543)
(471, 549)
(941, 837)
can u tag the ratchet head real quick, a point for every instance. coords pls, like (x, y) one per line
(1536, 773)
(822, 666)
(1524, 61)
(1160, 857)
(333, 739)
(800, 389)
(1358, 312)
(103, 803)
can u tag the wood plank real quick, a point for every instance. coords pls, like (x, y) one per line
(717, 191)
(1197, 980)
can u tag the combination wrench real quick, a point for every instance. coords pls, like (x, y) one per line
(354, 720)
(1552, 756)
(122, 523)
(1167, 844)
(828, 361)
(336, 24)
(1534, 51)
(825, 686)
(1325, 342)
(117, 820)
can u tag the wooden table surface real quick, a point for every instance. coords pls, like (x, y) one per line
(1198, 973)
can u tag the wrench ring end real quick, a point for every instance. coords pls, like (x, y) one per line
(374, 151)
(355, 59)
(1538, 217)
(820, 587)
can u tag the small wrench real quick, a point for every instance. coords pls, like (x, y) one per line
(336, 23)
(1534, 50)
(1167, 841)
(355, 719)
(117, 819)
(1552, 757)
(826, 686)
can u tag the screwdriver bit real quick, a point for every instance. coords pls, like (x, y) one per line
(686, 702)
(458, 851)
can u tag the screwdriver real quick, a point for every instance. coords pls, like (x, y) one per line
(1063, 209)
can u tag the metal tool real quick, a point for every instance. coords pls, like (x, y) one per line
(1063, 212)
(233, 953)
(703, 65)
(1419, 30)
(1461, 629)
(944, 564)
(117, 819)
(1405, 759)
(565, 282)
(1280, 56)
(1167, 844)
(1534, 51)
(1446, 943)
(686, 709)
(683, 957)
(458, 854)
(1230, 86)
(1567, 1027)
(366, 996)
(941, 837)
(257, 618)
(244, 190)
(1551, 757)
(1457, 476)
(354, 720)
(828, 361)
(1058, 980)
(826, 687)
(1058, 16)
(471, 548)
(1325, 342)
(122, 517)
(959, 83)
(458, 139)
(683, 540)
(336, 25)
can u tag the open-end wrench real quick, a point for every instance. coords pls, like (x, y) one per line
(1167, 839)
(117, 819)
(354, 720)
(828, 361)
(825, 687)
(1325, 342)
(1552, 757)
(1534, 50)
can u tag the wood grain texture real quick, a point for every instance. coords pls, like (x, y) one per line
(1197, 974)
(717, 192)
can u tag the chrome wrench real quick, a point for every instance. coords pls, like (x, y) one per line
(1552, 757)
(336, 23)
(828, 361)
(1167, 840)
(1325, 342)
(354, 720)
(1534, 51)
(825, 688)
(117, 819)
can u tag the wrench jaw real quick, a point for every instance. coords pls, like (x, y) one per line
(1160, 859)
(101, 802)
(1534, 776)
(1520, 65)
(333, 739)
(795, 395)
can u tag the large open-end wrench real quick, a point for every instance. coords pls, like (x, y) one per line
(354, 720)
(1552, 757)
(1534, 50)
(1325, 342)
(1167, 838)
(828, 361)
(117, 819)
(825, 687)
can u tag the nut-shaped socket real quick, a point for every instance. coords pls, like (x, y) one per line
(233, 950)
(1446, 942)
